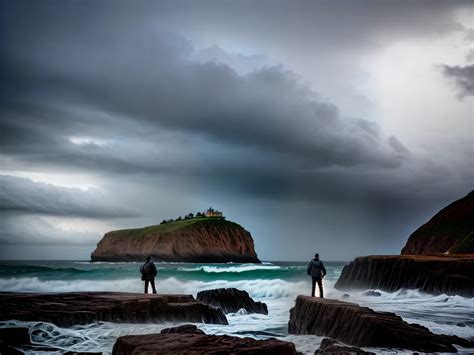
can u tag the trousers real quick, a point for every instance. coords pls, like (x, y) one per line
(319, 281)
(152, 282)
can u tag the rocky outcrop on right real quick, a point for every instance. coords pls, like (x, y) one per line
(230, 300)
(451, 275)
(451, 231)
(363, 327)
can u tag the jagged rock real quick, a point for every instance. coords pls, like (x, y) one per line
(432, 274)
(172, 344)
(450, 230)
(67, 309)
(333, 347)
(230, 300)
(183, 329)
(372, 293)
(346, 295)
(197, 240)
(361, 326)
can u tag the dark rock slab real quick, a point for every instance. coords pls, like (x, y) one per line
(332, 347)
(432, 274)
(361, 326)
(175, 344)
(230, 300)
(183, 329)
(67, 309)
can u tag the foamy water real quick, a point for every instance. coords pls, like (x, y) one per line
(276, 284)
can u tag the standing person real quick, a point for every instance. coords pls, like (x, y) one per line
(317, 271)
(149, 272)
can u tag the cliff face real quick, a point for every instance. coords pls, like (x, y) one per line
(361, 326)
(203, 240)
(431, 274)
(450, 230)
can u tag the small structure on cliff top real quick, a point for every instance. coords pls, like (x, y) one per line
(213, 213)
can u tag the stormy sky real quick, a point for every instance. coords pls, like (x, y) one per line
(329, 126)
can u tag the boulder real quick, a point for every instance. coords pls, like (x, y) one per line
(67, 309)
(332, 347)
(362, 326)
(174, 344)
(183, 329)
(230, 300)
(372, 293)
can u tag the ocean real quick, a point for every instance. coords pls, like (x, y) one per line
(275, 283)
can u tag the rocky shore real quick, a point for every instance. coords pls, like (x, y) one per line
(361, 326)
(67, 309)
(451, 275)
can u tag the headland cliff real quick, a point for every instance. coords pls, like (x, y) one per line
(196, 240)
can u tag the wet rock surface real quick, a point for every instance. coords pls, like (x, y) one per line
(230, 300)
(172, 344)
(182, 329)
(67, 309)
(361, 326)
(332, 347)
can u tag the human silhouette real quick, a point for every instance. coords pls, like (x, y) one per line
(149, 272)
(317, 271)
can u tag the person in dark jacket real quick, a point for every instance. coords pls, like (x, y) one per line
(317, 271)
(148, 271)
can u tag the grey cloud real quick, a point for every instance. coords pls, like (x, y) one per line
(151, 82)
(32, 230)
(24, 196)
(470, 55)
(463, 78)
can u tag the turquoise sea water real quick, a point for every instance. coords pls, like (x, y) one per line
(275, 283)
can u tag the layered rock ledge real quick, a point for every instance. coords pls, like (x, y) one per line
(67, 309)
(230, 300)
(197, 240)
(451, 275)
(178, 343)
(361, 326)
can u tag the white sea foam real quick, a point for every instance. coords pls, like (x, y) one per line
(240, 268)
(273, 288)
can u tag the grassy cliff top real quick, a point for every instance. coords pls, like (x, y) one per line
(172, 226)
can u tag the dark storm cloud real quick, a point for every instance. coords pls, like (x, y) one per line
(145, 77)
(24, 196)
(126, 91)
(463, 78)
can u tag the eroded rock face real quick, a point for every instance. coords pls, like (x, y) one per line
(172, 344)
(67, 309)
(230, 300)
(431, 274)
(450, 230)
(207, 241)
(361, 326)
